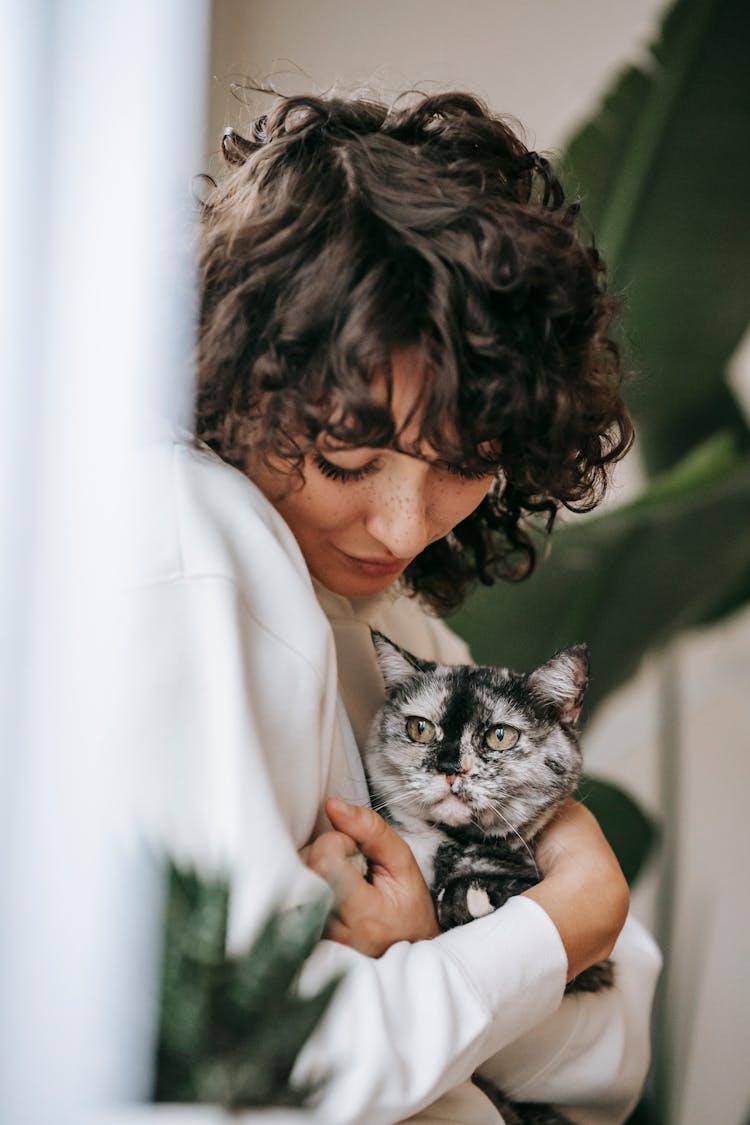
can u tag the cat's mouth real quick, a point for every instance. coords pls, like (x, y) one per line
(451, 811)
(450, 806)
(455, 804)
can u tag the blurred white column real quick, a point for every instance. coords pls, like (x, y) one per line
(101, 112)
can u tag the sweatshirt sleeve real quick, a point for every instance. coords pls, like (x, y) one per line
(592, 1054)
(407, 1027)
(235, 736)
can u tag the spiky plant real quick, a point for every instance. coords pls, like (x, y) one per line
(231, 1028)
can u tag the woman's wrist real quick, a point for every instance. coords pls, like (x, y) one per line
(583, 889)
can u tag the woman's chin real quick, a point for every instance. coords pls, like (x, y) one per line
(350, 583)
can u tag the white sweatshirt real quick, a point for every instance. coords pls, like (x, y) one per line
(243, 734)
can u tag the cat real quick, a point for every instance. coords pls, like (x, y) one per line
(468, 763)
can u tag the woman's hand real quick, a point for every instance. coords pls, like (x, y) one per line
(395, 906)
(583, 889)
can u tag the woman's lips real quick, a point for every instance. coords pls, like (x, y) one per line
(375, 567)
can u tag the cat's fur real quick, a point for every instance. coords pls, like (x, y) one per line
(469, 810)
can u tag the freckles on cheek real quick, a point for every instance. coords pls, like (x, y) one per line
(462, 505)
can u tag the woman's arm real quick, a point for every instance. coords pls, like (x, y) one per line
(583, 890)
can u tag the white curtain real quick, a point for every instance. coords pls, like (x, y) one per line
(101, 117)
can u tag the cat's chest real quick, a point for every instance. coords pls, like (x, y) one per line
(425, 842)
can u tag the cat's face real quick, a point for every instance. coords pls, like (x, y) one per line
(483, 746)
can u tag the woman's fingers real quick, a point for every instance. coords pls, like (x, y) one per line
(380, 843)
(395, 906)
(331, 856)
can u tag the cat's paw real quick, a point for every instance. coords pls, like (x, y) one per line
(464, 899)
(359, 863)
(478, 901)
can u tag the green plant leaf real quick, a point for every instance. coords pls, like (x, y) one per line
(631, 834)
(627, 581)
(663, 167)
(283, 944)
(645, 1113)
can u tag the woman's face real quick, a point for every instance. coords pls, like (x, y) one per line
(361, 515)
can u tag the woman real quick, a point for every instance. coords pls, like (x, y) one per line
(403, 351)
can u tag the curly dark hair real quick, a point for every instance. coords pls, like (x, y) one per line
(348, 230)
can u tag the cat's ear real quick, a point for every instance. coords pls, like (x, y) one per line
(396, 664)
(562, 682)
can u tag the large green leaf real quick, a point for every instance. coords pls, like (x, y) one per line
(629, 580)
(631, 834)
(663, 168)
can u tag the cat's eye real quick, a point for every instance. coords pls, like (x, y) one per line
(420, 730)
(501, 737)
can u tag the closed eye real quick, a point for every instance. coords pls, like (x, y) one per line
(337, 472)
(464, 472)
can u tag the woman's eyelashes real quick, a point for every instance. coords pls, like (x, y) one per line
(464, 472)
(339, 473)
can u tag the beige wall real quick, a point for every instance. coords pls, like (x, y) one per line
(545, 61)
(707, 1003)
(539, 60)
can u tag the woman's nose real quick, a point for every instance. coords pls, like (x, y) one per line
(398, 518)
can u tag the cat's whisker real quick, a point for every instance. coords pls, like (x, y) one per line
(390, 800)
(382, 806)
(497, 811)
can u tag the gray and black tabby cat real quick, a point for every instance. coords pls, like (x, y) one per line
(468, 764)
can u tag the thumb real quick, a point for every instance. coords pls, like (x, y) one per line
(380, 843)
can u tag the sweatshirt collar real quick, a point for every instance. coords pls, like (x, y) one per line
(336, 606)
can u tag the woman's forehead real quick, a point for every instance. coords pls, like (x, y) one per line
(403, 390)
(408, 408)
